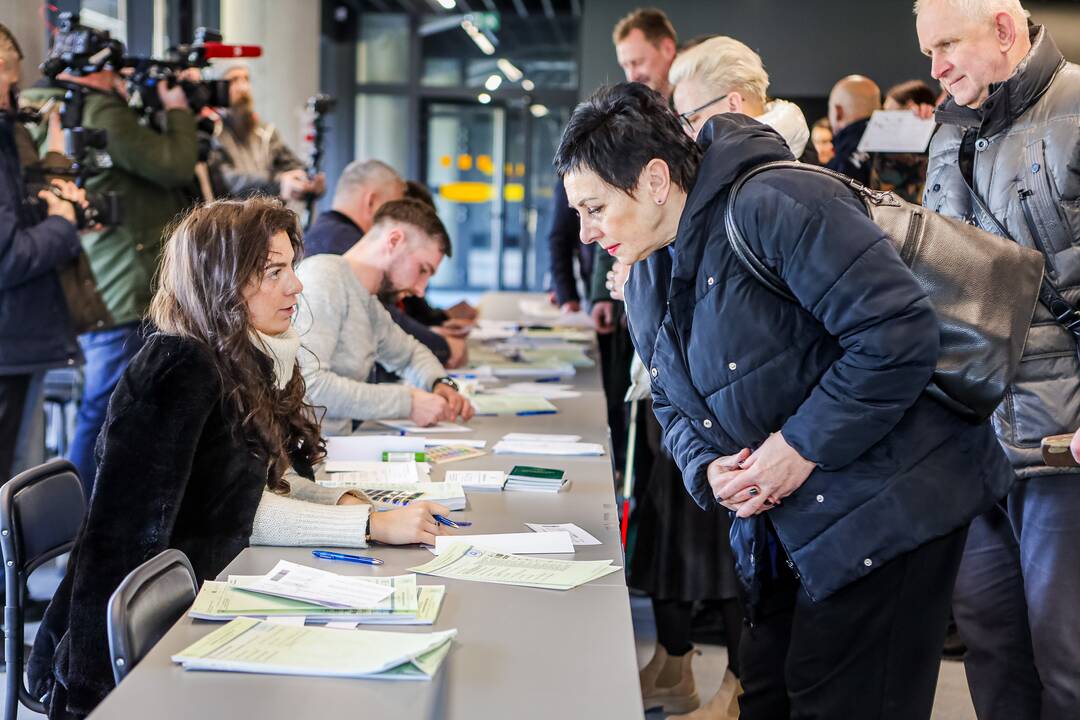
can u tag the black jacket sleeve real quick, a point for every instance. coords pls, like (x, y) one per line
(563, 239)
(432, 340)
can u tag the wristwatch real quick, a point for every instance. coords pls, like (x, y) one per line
(448, 381)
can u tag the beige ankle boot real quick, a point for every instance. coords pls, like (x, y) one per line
(678, 698)
(648, 674)
(724, 704)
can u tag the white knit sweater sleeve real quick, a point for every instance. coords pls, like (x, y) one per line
(287, 522)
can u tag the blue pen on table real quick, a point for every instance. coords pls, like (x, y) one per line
(443, 520)
(548, 379)
(535, 412)
(360, 559)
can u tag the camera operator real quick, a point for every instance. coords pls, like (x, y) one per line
(35, 328)
(250, 157)
(151, 171)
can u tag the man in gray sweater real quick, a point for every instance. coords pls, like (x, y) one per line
(345, 329)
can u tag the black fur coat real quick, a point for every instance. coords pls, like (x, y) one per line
(171, 473)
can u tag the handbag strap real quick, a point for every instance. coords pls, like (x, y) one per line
(755, 265)
(1064, 312)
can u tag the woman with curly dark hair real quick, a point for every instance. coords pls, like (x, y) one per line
(203, 427)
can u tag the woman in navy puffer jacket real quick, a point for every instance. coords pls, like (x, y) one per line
(852, 488)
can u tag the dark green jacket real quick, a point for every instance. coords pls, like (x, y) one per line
(153, 173)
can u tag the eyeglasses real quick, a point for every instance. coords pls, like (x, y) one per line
(685, 118)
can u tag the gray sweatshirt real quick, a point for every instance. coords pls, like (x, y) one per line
(345, 330)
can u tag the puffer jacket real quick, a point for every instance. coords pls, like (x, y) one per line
(1021, 148)
(841, 374)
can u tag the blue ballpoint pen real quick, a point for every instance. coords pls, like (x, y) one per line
(443, 520)
(523, 413)
(361, 559)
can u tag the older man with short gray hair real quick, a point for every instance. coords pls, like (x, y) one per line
(364, 186)
(1006, 158)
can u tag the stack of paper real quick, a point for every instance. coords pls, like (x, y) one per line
(257, 646)
(511, 543)
(362, 472)
(390, 494)
(540, 437)
(493, 330)
(408, 605)
(547, 390)
(511, 405)
(535, 479)
(478, 480)
(517, 447)
(559, 335)
(441, 427)
(319, 587)
(462, 561)
(526, 370)
(369, 448)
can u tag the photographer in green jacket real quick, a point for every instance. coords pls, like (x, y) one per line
(152, 171)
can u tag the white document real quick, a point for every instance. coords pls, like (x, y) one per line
(410, 427)
(300, 582)
(288, 620)
(491, 480)
(548, 391)
(504, 447)
(577, 535)
(540, 437)
(361, 472)
(455, 442)
(369, 447)
(343, 624)
(896, 131)
(511, 543)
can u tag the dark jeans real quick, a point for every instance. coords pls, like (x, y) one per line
(12, 400)
(1016, 603)
(871, 651)
(108, 353)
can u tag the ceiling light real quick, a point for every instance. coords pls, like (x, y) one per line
(483, 98)
(448, 4)
(493, 82)
(527, 85)
(478, 37)
(509, 70)
(538, 110)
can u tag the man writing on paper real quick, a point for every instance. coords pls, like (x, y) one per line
(346, 329)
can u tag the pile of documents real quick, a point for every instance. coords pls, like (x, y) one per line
(533, 447)
(535, 479)
(390, 494)
(462, 561)
(511, 405)
(546, 390)
(478, 480)
(352, 473)
(530, 543)
(256, 646)
(408, 604)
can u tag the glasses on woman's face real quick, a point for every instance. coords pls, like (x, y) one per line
(687, 118)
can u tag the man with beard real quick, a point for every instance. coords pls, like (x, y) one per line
(249, 155)
(346, 329)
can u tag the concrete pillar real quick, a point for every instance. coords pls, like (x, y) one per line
(287, 74)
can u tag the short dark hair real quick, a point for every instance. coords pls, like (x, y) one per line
(617, 131)
(915, 91)
(418, 191)
(8, 43)
(652, 23)
(418, 214)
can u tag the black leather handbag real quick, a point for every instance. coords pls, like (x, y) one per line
(983, 287)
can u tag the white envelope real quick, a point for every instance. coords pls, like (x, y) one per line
(530, 543)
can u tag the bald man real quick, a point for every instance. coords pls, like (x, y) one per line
(851, 103)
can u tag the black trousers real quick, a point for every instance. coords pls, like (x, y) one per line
(871, 651)
(12, 401)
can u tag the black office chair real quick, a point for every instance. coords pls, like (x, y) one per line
(146, 604)
(41, 511)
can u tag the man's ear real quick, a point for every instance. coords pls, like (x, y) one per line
(734, 102)
(394, 237)
(838, 111)
(1005, 31)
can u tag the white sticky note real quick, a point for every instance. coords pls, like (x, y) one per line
(577, 535)
(511, 543)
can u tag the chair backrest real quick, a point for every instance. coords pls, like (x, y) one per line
(41, 512)
(145, 605)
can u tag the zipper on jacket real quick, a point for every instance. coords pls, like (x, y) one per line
(1033, 229)
(911, 240)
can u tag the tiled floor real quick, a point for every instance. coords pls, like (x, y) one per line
(952, 701)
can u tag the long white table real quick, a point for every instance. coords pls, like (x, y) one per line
(520, 653)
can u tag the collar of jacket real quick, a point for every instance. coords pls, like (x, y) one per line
(732, 143)
(1011, 98)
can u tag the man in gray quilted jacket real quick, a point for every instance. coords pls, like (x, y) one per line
(1007, 158)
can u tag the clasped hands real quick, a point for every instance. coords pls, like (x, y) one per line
(752, 483)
